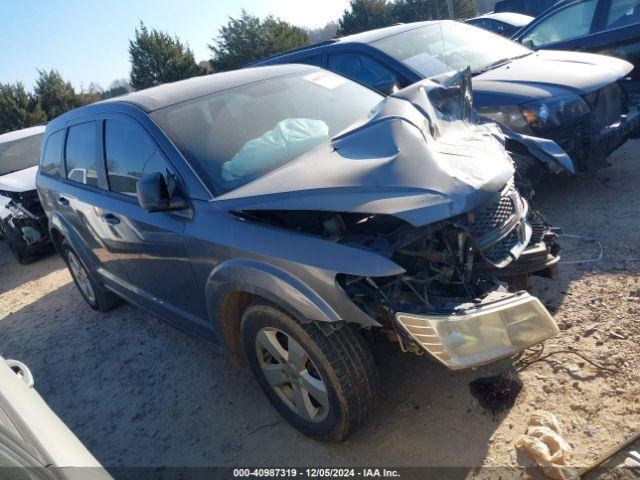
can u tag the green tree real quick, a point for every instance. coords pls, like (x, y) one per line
(18, 109)
(464, 8)
(365, 15)
(158, 58)
(321, 34)
(407, 11)
(117, 88)
(247, 38)
(54, 94)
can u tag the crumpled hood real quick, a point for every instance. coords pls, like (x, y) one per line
(391, 164)
(21, 181)
(540, 72)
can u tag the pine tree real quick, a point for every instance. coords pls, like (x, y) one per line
(247, 38)
(158, 58)
(18, 109)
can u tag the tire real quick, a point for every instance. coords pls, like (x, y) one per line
(96, 296)
(326, 388)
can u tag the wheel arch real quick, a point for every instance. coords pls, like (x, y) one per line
(235, 284)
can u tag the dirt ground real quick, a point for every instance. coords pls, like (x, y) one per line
(138, 392)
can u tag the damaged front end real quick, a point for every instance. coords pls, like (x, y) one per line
(24, 224)
(447, 302)
(424, 184)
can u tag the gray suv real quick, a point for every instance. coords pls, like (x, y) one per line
(287, 213)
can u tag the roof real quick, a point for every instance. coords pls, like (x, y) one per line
(380, 33)
(171, 93)
(515, 19)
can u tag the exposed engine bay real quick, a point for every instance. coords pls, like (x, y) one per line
(24, 224)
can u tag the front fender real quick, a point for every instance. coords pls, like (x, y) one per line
(270, 282)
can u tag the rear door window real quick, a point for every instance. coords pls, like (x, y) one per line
(570, 22)
(52, 157)
(130, 153)
(81, 154)
(623, 13)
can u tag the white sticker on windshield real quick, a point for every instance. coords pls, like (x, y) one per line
(325, 79)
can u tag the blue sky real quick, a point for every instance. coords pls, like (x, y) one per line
(87, 41)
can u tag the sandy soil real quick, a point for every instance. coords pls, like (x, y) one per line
(138, 392)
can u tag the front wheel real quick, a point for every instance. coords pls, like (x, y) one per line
(323, 385)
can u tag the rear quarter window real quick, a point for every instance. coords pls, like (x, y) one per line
(51, 163)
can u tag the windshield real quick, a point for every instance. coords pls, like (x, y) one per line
(444, 46)
(238, 135)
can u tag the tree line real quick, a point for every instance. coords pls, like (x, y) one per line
(157, 57)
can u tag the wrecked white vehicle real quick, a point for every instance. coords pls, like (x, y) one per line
(286, 212)
(23, 223)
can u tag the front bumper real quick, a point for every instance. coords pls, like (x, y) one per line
(589, 144)
(481, 334)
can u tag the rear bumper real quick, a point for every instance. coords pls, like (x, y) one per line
(480, 334)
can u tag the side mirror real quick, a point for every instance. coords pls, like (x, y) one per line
(154, 196)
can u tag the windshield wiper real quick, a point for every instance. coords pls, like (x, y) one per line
(499, 63)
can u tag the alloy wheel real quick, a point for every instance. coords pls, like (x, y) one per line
(291, 373)
(81, 277)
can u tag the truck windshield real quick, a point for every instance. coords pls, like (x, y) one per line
(238, 135)
(443, 46)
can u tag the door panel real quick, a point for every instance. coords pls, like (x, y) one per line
(150, 245)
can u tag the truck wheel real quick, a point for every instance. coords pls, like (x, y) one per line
(96, 296)
(323, 385)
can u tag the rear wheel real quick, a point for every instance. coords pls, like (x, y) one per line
(96, 296)
(324, 385)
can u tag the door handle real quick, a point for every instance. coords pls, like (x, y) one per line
(111, 218)
(63, 201)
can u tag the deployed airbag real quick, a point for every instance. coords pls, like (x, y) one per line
(289, 139)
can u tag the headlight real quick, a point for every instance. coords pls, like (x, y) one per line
(545, 113)
(481, 334)
(509, 115)
(554, 111)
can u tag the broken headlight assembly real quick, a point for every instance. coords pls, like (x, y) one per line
(481, 333)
